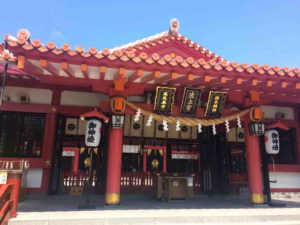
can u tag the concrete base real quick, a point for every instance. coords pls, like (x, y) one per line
(259, 205)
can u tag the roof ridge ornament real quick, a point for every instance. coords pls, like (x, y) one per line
(24, 35)
(174, 26)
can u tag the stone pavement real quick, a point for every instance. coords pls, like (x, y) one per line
(143, 209)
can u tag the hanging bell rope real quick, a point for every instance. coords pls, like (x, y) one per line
(188, 121)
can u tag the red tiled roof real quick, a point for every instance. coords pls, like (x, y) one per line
(130, 53)
(5, 55)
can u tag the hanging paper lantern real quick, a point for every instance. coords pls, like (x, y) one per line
(227, 126)
(272, 141)
(214, 129)
(149, 121)
(238, 119)
(93, 133)
(199, 128)
(178, 126)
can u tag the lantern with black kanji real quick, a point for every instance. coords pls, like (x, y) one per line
(272, 141)
(93, 132)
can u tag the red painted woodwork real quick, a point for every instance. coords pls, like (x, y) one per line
(95, 113)
(114, 160)
(137, 182)
(140, 182)
(105, 108)
(6, 203)
(144, 162)
(285, 189)
(253, 163)
(285, 168)
(25, 107)
(237, 181)
(165, 161)
(14, 178)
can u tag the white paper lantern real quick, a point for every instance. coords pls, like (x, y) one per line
(93, 133)
(272, 141)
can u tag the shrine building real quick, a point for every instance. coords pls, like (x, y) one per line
(168, 108)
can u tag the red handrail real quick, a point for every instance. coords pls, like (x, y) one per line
(6, 203)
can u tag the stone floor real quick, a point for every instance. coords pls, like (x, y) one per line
(144, 209)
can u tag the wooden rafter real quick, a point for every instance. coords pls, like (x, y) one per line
(134, 76)
(182, 80)
(47, 66)
(28, 67)
(102, 72)
(84, 70)
(166, 78)
(150, 77)
(205, 79)
(67, 69)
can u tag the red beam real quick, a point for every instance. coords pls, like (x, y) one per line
(36, 84)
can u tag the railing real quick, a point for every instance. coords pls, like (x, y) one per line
(137, 182)
(77, 179)
(19, 165)
(197, 184)
(7, 210)
(131, 182)
(238, 183)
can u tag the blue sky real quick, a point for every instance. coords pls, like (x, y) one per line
(253, 31)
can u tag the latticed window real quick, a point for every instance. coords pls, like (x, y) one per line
(21, 134)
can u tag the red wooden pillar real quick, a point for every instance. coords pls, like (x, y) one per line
(114, 164)
(144, 161)
(49, 138)
(76, 160)
(165, 160)
(255, 182)
(14, 178)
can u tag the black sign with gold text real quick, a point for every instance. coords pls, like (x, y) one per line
(215, 104)
(190, 101)
(164, 100)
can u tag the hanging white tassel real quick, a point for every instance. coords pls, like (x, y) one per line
(149, 121)
(227, 126)
(178, 126)
(137, 115)
(214, 129)
(239, 122)
(199, 128)
(165, 125)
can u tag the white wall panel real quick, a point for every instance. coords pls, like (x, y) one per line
(37, 96)
(81, 98)
(34, 178)
(270, 112)
(285, 180)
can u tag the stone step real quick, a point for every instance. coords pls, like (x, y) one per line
(273, 216)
